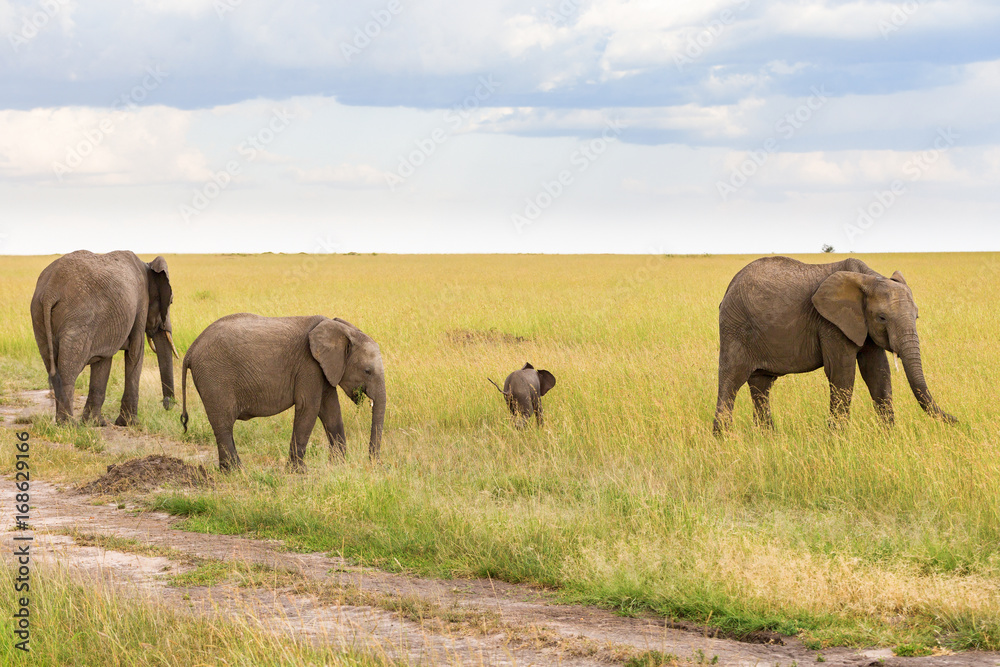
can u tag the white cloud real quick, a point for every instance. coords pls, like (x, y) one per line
(867, 20)
(343, 175)
(183, 7)
(853, 170)
(82, 145)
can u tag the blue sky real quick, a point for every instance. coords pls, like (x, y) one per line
(568, 126)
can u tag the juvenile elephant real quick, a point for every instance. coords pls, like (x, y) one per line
(523, 391)
(247, 366)
(781, 316)
(85, 308)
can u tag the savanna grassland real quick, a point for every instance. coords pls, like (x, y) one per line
(856, 536)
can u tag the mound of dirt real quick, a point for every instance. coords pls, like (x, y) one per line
(478, 336)
(146, 474)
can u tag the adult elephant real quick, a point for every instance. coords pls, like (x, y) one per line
(247, 366)
(781, 316)
(87, 307)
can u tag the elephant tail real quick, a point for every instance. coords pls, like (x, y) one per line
(497, 386)
(54, 380)
(184, 393)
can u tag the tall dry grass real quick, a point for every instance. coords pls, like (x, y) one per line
(624, 499)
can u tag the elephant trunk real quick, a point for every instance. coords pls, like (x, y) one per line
(908, 348)
(164, 357)
(378, 420)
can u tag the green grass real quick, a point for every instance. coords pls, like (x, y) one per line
(74, 624)
(245, 575)
(81, 436)
(625, 500)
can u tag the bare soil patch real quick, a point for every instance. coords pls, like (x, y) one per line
(146, 474)
(418, 620)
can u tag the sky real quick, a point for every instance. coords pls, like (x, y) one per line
(569, 126)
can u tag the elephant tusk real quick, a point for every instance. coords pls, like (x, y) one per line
(151, 345)
(170, 339)
(895, 359)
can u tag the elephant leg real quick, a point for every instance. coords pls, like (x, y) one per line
(732, 376)
(760, 392)
(72, 360)
(133, 371)
(524, 412)
(539, 420)
(306, 413)
(333, 424)
(223, 430)
(840, 371)
(99, 373)
(516, 413)
(874, 365)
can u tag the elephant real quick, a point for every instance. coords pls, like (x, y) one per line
(247, 365)
(86, 307)
(782, 316)
(523, 390)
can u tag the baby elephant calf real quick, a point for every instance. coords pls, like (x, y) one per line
(523, 390)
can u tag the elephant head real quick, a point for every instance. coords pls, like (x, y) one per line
(159, 331)
(351, 360)
(864, 306)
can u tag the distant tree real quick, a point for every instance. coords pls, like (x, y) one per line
(827, 247)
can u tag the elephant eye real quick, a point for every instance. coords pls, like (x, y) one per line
(368, 371)
(883, 318)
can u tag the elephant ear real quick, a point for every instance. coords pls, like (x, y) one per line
(841, 300)
(547, 380)
(527, 366)
(161, 283)
(330, 345)
(898, 277)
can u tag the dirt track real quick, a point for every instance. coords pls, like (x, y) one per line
(344, 605)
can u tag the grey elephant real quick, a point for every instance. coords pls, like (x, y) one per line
(523, 390)
(87, 307)
(247, 366)
(782, 316)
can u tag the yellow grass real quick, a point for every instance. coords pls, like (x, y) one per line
(625, 498)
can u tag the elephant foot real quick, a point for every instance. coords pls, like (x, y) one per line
(96, 419)
(947, 418)
(125, 420)
(231, 466)
(296, 466)
(169, 402)
(837, 423)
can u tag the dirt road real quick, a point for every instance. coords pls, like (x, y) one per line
(423, 621)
